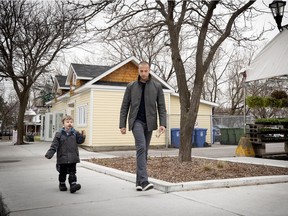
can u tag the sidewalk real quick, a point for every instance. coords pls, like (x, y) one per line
(29, 187)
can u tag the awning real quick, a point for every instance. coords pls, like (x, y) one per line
(272, 61)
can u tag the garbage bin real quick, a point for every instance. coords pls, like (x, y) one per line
(200, 137)
(231, 136)
(175, 137)
(224, 136)
(193, 138)
(239, 132)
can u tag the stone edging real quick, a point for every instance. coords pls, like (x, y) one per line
(195, 185)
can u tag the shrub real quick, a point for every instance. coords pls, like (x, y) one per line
(272, 102)
(254, 101)
(279, 94)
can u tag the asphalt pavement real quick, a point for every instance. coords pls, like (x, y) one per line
(29, 187)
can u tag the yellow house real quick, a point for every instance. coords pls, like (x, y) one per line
(92, 95)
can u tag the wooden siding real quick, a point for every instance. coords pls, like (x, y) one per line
(127, 73)
(63, 91)
(79, 83)
(82, 100)
(78, 100)
(58, 107)
(105, 123)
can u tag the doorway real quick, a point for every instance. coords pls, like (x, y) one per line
(52, 122)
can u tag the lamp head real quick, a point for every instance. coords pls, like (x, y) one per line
(277, 9)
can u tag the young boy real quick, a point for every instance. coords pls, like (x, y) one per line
(65, 143)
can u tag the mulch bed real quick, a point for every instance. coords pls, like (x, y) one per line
(171, 170)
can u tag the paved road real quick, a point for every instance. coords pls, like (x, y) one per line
(28, 187)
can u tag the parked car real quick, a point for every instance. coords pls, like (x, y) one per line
(220, 126)
(217, 132)
(6, 133)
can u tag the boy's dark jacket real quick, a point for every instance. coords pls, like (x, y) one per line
(66, 146)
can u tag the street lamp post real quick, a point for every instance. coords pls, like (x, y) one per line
(277, 9)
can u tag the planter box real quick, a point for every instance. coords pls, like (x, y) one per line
(274, 139)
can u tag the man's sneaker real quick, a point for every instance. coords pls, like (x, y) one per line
(74, 188)
(147, 186)
(138, 187)
(62, 187)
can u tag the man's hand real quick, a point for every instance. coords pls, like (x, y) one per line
(160, 131)
(123, 130)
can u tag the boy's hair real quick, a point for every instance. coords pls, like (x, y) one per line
(67, 117)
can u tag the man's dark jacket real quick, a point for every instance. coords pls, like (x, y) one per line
(154, 101)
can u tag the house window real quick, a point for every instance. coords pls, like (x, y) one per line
(82, 115)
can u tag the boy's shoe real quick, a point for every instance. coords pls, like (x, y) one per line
(138, 186)
(74, 187)
(62, 187)
(147, 186)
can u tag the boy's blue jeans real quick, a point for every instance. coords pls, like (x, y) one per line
(142, 141)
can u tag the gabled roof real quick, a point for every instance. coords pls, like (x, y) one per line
(85, 71)
(60, 80)
(96, 72)
(115, 67)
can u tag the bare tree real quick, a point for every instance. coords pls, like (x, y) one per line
(201, 18)
(125, 40)
(32, 34)
(8, 110)
(215, 76)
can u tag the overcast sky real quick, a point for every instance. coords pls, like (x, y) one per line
(266, 20)
(81, 55)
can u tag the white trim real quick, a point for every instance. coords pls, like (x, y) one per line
(209, 103)
(70, 72)
(85, 107)
(91, 116)
(65, 88)
(161, 81)
(108, 87)
(201, 101)
(168, 136)
(84, 78)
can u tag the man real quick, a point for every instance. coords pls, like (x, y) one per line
(142, 99)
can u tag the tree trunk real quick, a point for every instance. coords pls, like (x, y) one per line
(185, 138)
(23, 98)
(184, 97)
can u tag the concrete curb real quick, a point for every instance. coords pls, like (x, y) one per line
(168, 187)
